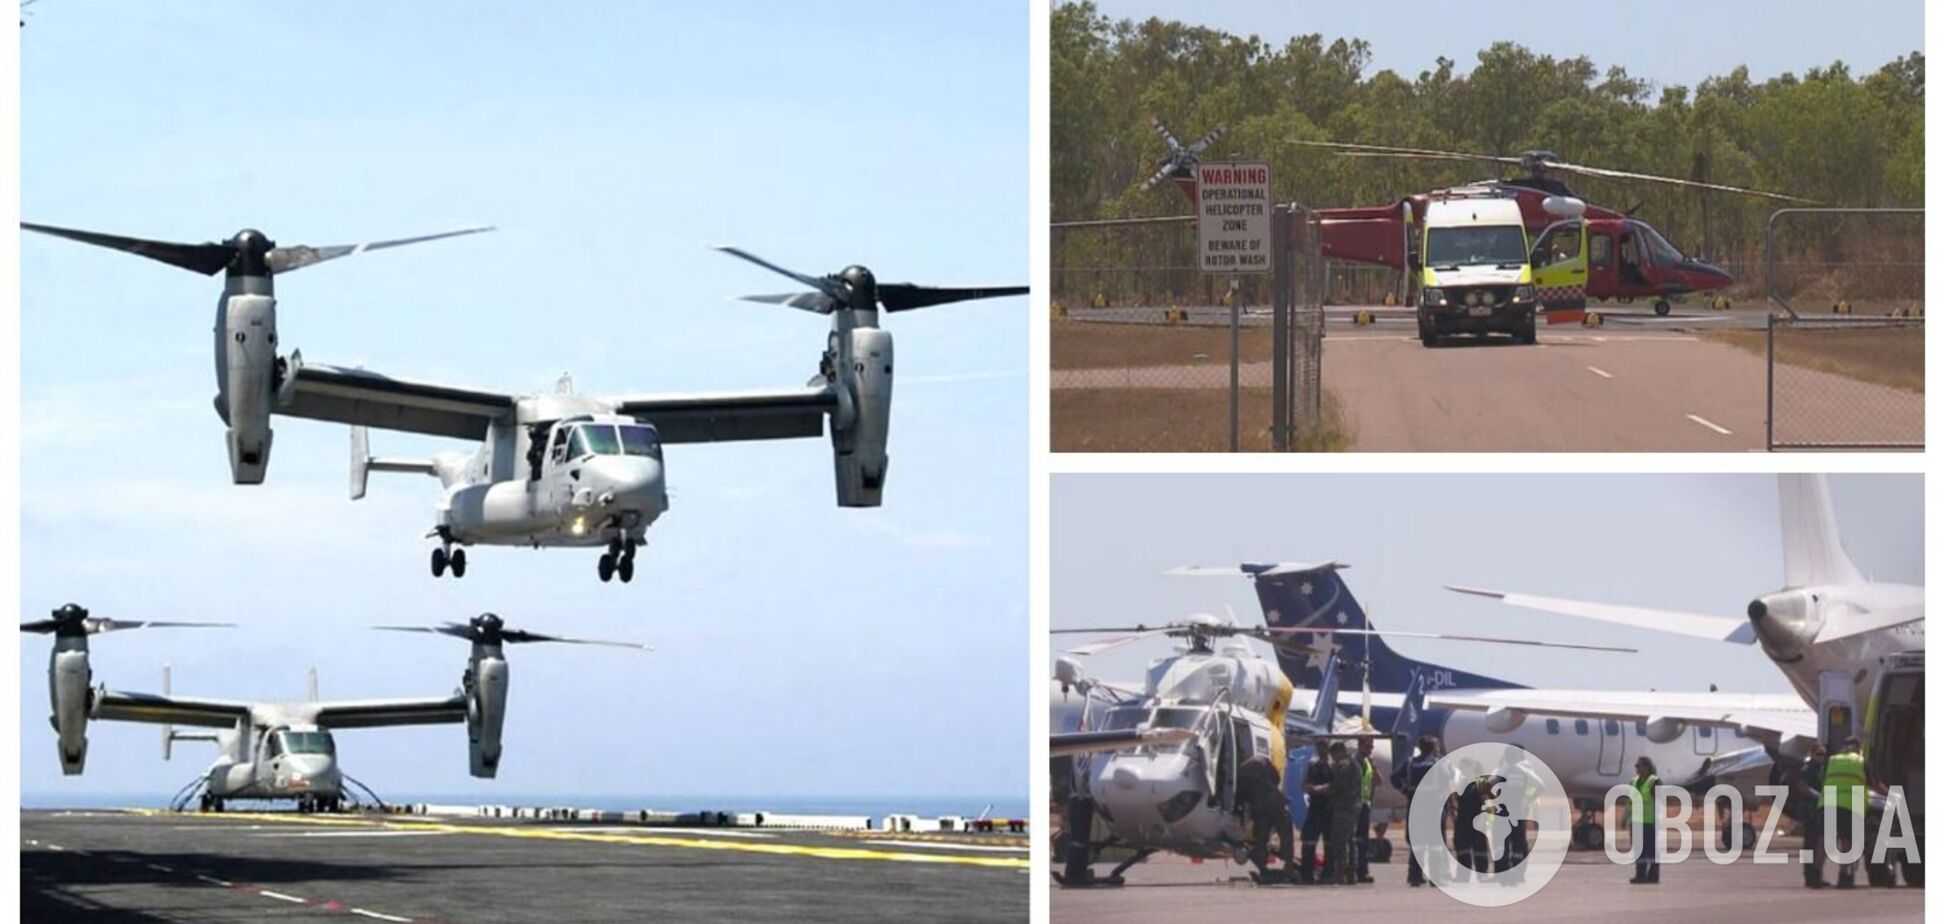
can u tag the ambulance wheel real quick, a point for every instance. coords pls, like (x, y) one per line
(607, 567)
(1880, 875)
(625, 568)
(438, 562)
(1661, 307)
(458, 563)
(1913, 873)
(1529, 334)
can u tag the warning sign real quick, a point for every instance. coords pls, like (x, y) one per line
(1234, 218)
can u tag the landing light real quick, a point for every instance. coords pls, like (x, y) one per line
(580, 526)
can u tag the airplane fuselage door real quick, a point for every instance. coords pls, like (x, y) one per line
(1559, 270)
(1835, 707)
(1707, 739)
(1613, 746)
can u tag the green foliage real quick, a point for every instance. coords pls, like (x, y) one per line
(1825, 135)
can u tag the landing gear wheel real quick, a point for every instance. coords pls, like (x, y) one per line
(625, 568)
(458, 563)
(1589, 836)
(438, 562)
(607, 567)
(1661, 307)
(204, 803)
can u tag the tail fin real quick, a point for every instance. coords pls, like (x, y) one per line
(363, 463)
(1324, 712)
(1812, 549)
(1405, 731)
(169, 734)
(1294, 596)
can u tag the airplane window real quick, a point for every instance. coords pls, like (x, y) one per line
(1612, 727)
(1579, 726)
(1640, 727)
(1599, 250)
(1552, 726)
(1706, 732)
(640, 441)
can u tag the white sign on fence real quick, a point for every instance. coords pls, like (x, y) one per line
(1234, 216)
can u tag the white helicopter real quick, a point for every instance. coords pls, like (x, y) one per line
(551, 470)
(1187, 763)
(277, 750)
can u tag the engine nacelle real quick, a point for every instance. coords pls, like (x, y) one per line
(1661, 730)
(1502, 719)
(861, 368)
(486, 714)
(67, 680)
(246, 367)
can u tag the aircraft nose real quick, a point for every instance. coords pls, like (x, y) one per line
(629, 481)
(319, 771)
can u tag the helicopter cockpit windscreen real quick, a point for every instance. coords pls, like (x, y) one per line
(1664, 253)
(1474, 245)
(307, 742)
(612, 440)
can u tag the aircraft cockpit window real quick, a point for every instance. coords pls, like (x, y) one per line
(274, 747)
(1176, 718)
(315, 742)
(1124, 717)
(594, 439)
(1665, 254)
(640, 441)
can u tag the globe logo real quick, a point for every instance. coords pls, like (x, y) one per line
(1489, 824)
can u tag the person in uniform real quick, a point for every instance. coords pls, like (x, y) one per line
(1316, 819)
(1367, 788)
(1346, 782)
(1846, 785)
(1805, 797)
(1647, 861)
(1260, 787)
(1472, 844)
(1414, 776)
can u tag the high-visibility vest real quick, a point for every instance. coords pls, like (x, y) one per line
(1643, 788)
(1841, 777)
(1369, 777)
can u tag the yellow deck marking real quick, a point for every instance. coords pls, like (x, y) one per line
(798, 850)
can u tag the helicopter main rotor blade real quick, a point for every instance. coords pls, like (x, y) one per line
(1208, 139)
(286, 259)
(904, 296)
(1667, 180)
(1158, 176)
(1317, 630)
(1385, 150)
(207, 259)
(1095, 648)
(826, 286)
(1167, 137)
(808, 301)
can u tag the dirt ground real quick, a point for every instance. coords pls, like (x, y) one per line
(1096, 345)
(1891, 356)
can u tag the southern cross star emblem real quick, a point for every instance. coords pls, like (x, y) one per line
(1342, 617)
(1324, 649)
(1307, 588)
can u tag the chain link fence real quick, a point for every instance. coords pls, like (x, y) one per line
(1149, 354)
(1845, 335)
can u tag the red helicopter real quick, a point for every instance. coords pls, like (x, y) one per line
(1182, 159)
(1600, 253)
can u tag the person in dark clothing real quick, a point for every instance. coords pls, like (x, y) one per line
(1473, 845)
(1316, 820)
(1414, 776)
(1260, 787)
(1346, 782)
(1801, 804)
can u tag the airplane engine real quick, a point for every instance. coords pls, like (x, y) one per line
(246, 380)
(861, 361)
(1662, 730)
(1501, 719)
(485, 715)
(67, 678)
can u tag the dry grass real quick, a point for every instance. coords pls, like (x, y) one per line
(1892, 356)
(1178, 420)
(1107, 345)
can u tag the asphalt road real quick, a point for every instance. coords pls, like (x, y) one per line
(1587, 888)
(122, 867)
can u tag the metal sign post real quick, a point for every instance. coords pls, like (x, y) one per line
(1232, 235)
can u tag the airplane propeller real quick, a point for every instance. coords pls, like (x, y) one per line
(73, 620)
(1537, 163)
(248, 252)
(489, 629)
(856, 288)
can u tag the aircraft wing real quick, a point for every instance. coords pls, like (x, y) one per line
(168, 710)
(375, 713)
(362, 398)
(721, 416)
(1699, 625)
(1068, 744)
(1768, 717)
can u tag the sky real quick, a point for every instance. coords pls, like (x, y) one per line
(1697, 543)
(1667, 41)
(801, 649)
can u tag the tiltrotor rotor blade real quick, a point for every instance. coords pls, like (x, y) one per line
(207, 259)
(521, 635)
(100, 625)
(903, 296)
(808, 301)
(286, 259)
(826, 286)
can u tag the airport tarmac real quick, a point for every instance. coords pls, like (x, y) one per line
(1344, 317)
(1587, 888)
(159, 866)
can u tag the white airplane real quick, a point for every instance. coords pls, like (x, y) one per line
(550, 470)
(276, 750)
(1849, 646)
